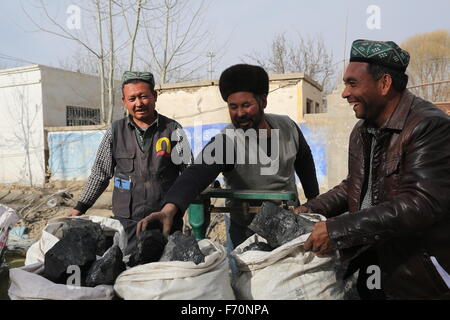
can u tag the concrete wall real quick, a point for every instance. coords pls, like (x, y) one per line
(201, 111)
(197, 103)
(72, 153)
(22, 158)
(192, 104)
(63, 88)
(310, 92)
(341, 120)
(33, 97)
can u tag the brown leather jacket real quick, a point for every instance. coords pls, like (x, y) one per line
(410, 219)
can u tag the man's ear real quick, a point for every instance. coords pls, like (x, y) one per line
(386, 84)
(155, 94)
(264, 101)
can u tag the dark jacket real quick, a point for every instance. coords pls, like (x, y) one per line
(142, 178)
(410, 219)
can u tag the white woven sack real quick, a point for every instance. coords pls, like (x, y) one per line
(27, 283)
(286, 273)
(176, 280)
(8, 218)
(36, 252)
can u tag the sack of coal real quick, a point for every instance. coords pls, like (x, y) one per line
(54, 231)
(28, 282)
(182, 247)
(149, 247)
(279, 226)
(258, 246)
(180, 279)
(288, 272)
(81, 242)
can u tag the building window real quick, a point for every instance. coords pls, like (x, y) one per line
(79, 116)
(309, 106)
(317, 107)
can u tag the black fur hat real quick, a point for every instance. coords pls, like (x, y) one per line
(243, 77)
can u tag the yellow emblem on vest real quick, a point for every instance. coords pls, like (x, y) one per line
(159, 147)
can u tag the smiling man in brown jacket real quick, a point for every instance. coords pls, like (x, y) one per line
(392, 212)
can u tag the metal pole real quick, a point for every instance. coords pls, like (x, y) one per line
(210, 55)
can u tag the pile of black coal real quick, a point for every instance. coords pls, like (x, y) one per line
(182, 247)
(81, 241)
(258, 246)
(279, 226)
(104, 237)
(149, 247)
(74, 249)
(106, 269)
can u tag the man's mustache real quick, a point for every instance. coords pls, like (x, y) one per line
(243, 119)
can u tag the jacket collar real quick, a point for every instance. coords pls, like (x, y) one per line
(132, 125)
(398, 118)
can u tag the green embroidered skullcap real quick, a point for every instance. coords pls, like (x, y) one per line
(383, 53)
(142, 76)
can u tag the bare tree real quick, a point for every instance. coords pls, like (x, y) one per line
(139, 5)
(176, 40)
(107, 47)
(173, 46)
(111, 62)
(80, 61)
(430, 63)
(22, 138)
(307, 55)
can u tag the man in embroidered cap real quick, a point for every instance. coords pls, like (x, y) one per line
(136, 152)
(245, 88)
(397, 232)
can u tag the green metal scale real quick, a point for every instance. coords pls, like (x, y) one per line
(200, 210)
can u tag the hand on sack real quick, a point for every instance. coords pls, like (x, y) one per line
(73, 213)
(302, 209)
(319, 241)
(165, 217)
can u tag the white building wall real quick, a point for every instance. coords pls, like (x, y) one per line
(197, 103)
(310, 92)
(193, 105)
(63, 88)
(34, 97)
(283, 100)
(22, 159)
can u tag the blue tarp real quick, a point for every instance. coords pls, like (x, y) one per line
(72, 154)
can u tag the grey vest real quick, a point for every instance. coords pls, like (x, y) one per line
(249, 176)
(150, 173)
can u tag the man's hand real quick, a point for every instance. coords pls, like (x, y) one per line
(73, 213)
(165, 216)
(302, 209)
(319, 242)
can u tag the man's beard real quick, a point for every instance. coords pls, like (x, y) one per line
(255, 121)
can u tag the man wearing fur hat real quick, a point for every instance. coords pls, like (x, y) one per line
(245, 88)
(391, 216)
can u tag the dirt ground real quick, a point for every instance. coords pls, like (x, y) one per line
(39, 205)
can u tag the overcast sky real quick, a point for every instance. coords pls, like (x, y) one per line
(249, 25)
